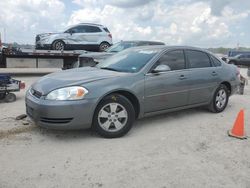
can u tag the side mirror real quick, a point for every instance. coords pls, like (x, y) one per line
(161, 68)
(224, 59)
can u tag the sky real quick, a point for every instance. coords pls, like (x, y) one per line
(201, 23)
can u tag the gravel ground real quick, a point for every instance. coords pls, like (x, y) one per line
(189, 148)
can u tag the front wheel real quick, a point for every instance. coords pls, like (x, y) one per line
(58, 45)
(220, 99)
(114, 116)
(10, 97)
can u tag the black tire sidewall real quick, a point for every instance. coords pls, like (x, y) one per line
(2, 96)
(10, 97)
(215, 108)
(126, 104)
(58, 41)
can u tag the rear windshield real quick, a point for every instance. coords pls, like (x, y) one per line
(120, 46)
(106, 29)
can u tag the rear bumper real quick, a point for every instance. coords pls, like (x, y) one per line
(60, 114)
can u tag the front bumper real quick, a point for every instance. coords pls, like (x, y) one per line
(60, 114)
(43, 46)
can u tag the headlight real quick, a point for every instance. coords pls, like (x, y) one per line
(67, 93)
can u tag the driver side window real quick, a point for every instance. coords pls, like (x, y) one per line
(174, 59)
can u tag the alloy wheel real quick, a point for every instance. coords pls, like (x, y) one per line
(112, 117)
(221, 98)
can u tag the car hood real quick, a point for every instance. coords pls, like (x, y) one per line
(96, 55)
(43, 35)
(72, 77)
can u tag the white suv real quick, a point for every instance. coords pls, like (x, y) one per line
(83, 36)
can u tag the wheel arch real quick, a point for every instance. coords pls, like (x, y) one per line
(105, 42)
(129, 95)
(56, 40)
(228, 85)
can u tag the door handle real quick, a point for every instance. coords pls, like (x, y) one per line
(214, 73)
(182, 77)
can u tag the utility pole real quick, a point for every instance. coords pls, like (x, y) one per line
(0, 40)
(4, 33)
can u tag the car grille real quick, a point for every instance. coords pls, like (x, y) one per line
(55, 120)
(35, 93)
(29, 111)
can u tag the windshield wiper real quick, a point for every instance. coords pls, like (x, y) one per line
(108, 68)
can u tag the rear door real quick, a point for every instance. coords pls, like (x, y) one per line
(204, 77)
(93, 34)
(244, 59)
(169, 89)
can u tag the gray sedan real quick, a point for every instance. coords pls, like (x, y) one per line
(132, 84)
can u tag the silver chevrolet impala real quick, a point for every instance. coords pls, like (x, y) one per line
(132, 84)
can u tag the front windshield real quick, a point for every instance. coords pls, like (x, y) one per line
(120, 46)
(237, 56)
(129, 60)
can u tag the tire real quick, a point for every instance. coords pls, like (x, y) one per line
(103, 46)
(2, 96)
(10, 97)
(58, 45)
(220, 99)
(106, 121)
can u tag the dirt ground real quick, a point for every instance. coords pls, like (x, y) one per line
(189, 148)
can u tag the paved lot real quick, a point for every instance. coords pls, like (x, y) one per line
(182, 149)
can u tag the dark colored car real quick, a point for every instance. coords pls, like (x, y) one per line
(90, 58)
(241, 59)
(134, 83)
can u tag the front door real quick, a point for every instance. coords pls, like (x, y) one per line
(169, 89)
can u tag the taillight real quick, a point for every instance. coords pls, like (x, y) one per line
(22, 85)
(110, 35)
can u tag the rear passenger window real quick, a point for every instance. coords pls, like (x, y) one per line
(92, 29)
(198, 59)
(174, 59)
(216, 62)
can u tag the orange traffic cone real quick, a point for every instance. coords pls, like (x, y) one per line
(238, 128)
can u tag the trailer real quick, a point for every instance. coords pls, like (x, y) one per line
(9, 85)
(21, 58)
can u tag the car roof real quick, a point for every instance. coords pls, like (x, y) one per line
(143, 41)
(91, 24)
(165, 47)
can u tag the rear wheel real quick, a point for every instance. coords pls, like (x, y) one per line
(103, 46)
(114, 116)
(58, 45)
(220, 99)
(10, 97)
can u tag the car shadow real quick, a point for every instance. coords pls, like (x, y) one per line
(165, 117)
(66, 135)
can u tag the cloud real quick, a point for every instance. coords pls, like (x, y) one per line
(177, 22)
(22, 19)
(129, 3)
